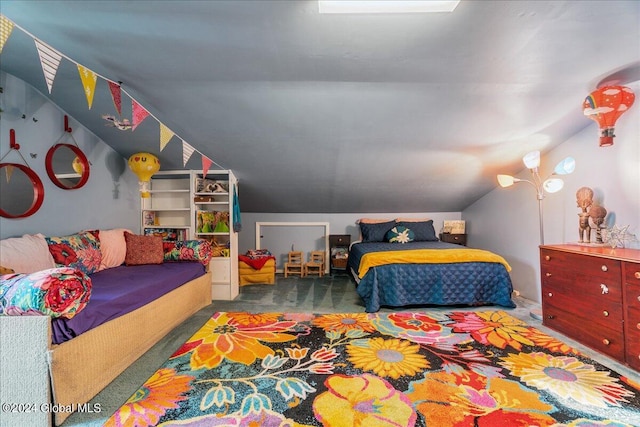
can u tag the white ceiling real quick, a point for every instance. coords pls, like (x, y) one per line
(336, 113)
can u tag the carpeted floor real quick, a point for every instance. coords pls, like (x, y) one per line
(292, 295)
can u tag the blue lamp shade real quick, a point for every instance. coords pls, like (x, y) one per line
(567, 166)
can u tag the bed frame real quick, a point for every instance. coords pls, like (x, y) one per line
(80, 368)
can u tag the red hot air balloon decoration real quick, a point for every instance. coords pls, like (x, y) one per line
(604, 106)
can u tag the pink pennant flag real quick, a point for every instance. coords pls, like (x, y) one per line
(187, 151)
(116, 95)
(206, 164)
(138, 114)
(49, 60)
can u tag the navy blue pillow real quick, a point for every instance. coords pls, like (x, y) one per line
(422, 230)
(376, 232)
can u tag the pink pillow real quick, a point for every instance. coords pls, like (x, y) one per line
(412, 219)
(372, 221)
(143, 249)
(26, 254)
(113, 247)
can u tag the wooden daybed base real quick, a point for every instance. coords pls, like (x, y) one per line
(83, 366)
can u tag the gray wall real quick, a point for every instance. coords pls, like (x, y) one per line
(109, 199)
(506, 220)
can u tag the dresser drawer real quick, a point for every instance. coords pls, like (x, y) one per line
(576, 263)
(603, 312)
(582, 286)
(632, 273)
(633, 337)
(632, 295)
(584, 330)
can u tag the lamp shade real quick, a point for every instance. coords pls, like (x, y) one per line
(566, 166)
(144, 165)
(604, 106)
(553, 185)
(532, 160)
(506, 180)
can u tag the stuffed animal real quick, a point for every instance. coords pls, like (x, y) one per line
(5, 270)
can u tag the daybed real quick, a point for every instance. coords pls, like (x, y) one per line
(403, 263)
(119, 322)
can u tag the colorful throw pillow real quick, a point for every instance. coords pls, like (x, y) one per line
(258, 253)
(55, 292)
(113, 247)
(143, 249)
(188, 250)
(81, 251)
(423, 230)
(375, 232)
(400, 234)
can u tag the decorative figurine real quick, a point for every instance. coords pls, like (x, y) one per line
(597, 214)
(584, 197)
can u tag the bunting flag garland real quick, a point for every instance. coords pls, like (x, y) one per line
(206, 164)
(116, 95)
(165, 136)
(50, 60)
(89, 79)
(9, 172)
(187, 151)
(6, 27)
(138, 114)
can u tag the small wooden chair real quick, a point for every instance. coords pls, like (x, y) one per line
(316, 264)
(294, 264)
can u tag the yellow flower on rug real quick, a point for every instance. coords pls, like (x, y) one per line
(362, 401)
(226, 337)
(567, 377)
(387, 358)
(158, 394)
(342, 323)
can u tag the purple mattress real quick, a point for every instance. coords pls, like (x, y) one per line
(120, 290)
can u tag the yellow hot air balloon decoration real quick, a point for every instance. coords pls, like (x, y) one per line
(77, 166)
(144, 165)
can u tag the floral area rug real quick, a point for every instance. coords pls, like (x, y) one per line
(383, 369)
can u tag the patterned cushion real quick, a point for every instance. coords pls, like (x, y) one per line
(400, 234)
(188, 250)
(81, 251)
(423, 230)
(143, 249)
(375, 232)
(55, 292)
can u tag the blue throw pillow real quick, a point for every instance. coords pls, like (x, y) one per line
(423, 230)
(400, 234)
(375, 232)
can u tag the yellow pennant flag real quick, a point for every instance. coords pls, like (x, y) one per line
(165, 136)
(6, 27)
(89, 79)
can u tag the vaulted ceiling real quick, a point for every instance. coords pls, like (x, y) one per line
(335, 113)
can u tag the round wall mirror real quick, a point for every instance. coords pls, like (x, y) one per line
(21, 191)
(67, 166)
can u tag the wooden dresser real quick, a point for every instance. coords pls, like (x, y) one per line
(592, 295)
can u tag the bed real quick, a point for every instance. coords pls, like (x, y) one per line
(424, 270)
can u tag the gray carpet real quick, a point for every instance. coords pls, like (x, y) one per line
(314, 295)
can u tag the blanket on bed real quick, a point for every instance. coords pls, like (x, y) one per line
(433, 256)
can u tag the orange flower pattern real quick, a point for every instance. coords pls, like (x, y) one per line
(446, 369)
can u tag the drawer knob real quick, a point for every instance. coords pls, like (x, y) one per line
(606, 341)
(638, 325)
(636, 274)
(548, 274)
(550, 294)
(605, 288)
(551, 316)
(548, 258)
(605, 313)
(604, 268)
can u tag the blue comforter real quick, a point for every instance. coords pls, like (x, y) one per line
(397, 285)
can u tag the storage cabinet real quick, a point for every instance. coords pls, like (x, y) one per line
(588, 294)
(339, 252)
(183, 205)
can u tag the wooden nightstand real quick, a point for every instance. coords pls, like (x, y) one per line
(458, 239)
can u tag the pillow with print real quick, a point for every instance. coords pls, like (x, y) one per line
(400, 234)
(80, 251)
(143, 249)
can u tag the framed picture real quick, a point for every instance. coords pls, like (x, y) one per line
(149, 218)
(453, 227)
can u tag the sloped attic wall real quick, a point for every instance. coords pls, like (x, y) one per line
(109, 199)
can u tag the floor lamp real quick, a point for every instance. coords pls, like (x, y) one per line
(550, 185)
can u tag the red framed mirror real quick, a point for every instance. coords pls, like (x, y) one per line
(21, 191)
(67, 166)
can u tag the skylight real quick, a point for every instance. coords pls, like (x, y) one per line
(386, 6)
